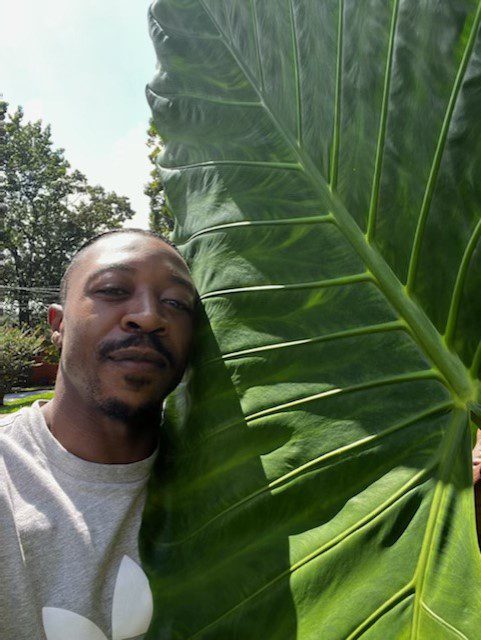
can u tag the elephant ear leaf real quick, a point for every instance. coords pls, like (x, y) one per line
(323, 161)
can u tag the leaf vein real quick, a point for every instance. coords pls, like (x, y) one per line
(256, 38)
(297, 81)
(413, 483)
(213, 99)
(320, 284)
(384, 608)
(424, 333)
(443, 622)
(382, 127)
(425, 374)
(331, 457)
(395, 325)
(448, 454)
(263, 223)
(433, 174)
(243, 163)
(334, 163)
(172, 31)
(459, 284)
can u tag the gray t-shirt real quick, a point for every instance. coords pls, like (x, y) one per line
(69, 557)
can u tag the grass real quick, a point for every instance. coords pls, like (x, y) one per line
(15, 405)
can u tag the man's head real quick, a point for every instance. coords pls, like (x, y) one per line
(126, 322)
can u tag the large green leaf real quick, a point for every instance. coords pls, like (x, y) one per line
(323, 161)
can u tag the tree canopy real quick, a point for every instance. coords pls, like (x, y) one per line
(49, 209)
(160, 218)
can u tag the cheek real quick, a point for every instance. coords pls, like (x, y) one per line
(78, 341)
(183, 338)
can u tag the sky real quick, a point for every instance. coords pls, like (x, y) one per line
(81, 66)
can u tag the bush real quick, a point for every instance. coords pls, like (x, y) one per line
(18, 347)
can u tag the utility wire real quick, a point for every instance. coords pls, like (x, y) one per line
(35, 289)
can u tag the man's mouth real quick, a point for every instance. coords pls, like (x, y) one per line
(139, 357)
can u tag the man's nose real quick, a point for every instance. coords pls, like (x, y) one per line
(145, 314)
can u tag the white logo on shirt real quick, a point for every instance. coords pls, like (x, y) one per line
(132, 610)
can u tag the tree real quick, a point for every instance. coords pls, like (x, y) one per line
(160, 218)
(49, 209)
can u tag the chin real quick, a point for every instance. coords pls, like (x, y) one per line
(129, 411)
(135, 390)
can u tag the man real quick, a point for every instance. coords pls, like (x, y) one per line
(73, 471)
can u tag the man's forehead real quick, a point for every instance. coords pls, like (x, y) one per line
(129, 251)
(132, 249)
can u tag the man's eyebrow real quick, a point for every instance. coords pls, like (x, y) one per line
(178, 279)
(111, 267)
(184, 282)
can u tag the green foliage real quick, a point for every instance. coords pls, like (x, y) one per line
(160, 218)
(18, 347)
(323, 162)
(49, 209)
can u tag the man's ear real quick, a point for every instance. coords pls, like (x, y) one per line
(55, 320)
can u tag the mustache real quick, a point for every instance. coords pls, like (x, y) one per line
(150, 340)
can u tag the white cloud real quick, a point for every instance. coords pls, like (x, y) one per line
(124, 167)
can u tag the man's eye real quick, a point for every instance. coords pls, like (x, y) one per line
(176, 304)
(112, 291)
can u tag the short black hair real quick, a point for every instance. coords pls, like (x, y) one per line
(66, 276)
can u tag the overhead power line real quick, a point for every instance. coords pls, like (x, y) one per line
(32, 289)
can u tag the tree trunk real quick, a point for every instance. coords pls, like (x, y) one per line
(23, 296)
(23, 310)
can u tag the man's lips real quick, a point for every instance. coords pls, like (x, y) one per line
(136, 351)
(140, 356)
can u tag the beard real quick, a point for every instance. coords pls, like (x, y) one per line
(142, 415)
(136, 414)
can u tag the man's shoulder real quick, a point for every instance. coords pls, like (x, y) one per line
(10, 418)
(13, 423)
(17, 435)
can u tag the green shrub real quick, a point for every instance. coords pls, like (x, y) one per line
(18, 348)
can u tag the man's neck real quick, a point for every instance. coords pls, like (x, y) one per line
(88, 433)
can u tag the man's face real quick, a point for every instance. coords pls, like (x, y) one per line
(127, 324)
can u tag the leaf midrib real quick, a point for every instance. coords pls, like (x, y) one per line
(453, 371)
